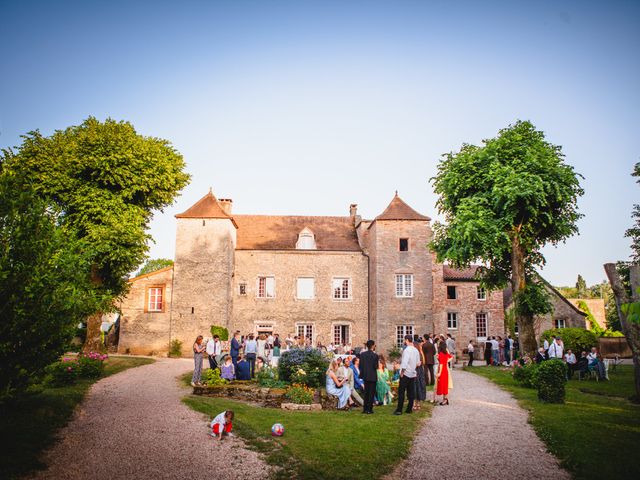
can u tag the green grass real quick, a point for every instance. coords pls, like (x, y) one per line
(325, 444)
(29, 423)
(595, 434)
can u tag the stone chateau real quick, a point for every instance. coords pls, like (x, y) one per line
(334, 279)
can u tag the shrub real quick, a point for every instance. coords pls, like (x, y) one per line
(576, 339)
(64, 372)
(526, 375)
(91, 365)
(552, 376)
(211, 377)
(310, 360)
(299, 393)
(175, 348)
(222, 332)
(268, 377)
(394, 353)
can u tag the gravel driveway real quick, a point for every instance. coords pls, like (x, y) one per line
(482, 434)
(133, 425)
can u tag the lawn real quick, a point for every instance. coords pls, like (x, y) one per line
(28, 424)
(595, 434)
(325, 444)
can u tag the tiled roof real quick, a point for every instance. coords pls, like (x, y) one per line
(206, 207)
(270, 232)
(465, 275)
(399, 210)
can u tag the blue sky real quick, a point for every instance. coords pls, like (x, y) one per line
(305, 107)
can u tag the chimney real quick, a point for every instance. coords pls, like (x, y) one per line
(226, 204)
(353, 210)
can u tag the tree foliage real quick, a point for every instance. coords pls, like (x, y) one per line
(45, 287)
(581, 287)
(153, 265)
(107, 181)
(634, 232)
(502, 202)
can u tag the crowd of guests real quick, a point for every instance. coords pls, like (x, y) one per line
(590, 361)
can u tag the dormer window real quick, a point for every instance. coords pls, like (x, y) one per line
(306, 240)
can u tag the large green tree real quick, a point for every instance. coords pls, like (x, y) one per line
(107, 180)
(45, 287)
(502, 202)
(634, 232)
(581, 287)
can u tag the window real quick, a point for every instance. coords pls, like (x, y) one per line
(305, 288)
(452, 294)
(452, 321)
(341, 334)
(401, 331)
(404, 285)
(306, 240)
(481, 325)
(305, 330)
(266, 287)
(481, 293)
(155, 299)
(266, 329)
(559, 323)
(242, 289)
(341, 288)
(404, 244)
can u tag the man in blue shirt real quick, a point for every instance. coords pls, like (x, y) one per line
(250, 351)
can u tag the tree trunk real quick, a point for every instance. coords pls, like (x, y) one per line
(526, 332)
(93, 341)
(630, 329)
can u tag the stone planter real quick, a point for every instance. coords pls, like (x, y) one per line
(267, 397)
(298, 406)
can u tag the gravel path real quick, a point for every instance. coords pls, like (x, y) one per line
(482, 434)
(134, 425)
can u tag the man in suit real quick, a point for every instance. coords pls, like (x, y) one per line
(429, 351)
(235, 349)
(369, 375)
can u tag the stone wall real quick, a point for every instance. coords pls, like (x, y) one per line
(285, 311)
(204, 266)
(466, 305)
(562, 309)
(142, 332)
(387, 310)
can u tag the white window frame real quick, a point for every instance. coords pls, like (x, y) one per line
(266, 289)
(452, 319)
(306, 240)
(486, 325)
(306, 326)
(349, 289)
(336, 326)
(313, 288)
(481, 293)
(154, 297)
(404, 290)
(401, 331)
(556, 323)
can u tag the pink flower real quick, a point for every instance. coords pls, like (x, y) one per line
(68, 369)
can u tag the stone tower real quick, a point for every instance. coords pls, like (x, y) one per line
(400, 276)
(203, 269)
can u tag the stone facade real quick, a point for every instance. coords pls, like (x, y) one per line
(325, 277)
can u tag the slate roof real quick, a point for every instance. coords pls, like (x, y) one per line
(206, 207)
(275, 232)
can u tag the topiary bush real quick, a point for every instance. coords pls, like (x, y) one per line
(552, 377)
(310, 360)
(576, 339)
(526, 375)
(222, 332)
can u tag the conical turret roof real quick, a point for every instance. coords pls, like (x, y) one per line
(207, 207)
(399, 210)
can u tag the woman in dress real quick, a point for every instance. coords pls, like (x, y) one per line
(500, 350)
(383, 386)
(198, 348)
(337, 387)
(262, 346)
(442, 376)
(420, 382)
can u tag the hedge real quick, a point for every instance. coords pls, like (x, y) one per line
(576, 339)
(552, 377)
